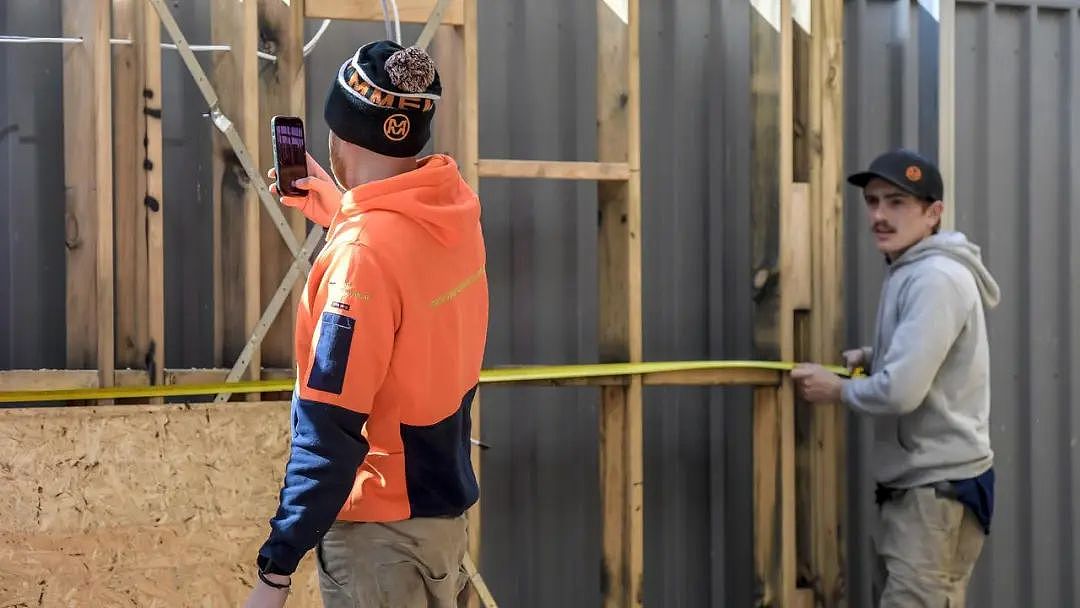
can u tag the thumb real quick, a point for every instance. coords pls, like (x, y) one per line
(304, 183)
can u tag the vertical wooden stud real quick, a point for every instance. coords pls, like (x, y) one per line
(825, 444)
(139, 204)
(448, 51)
(466, 113)
(774, 426)
(618, 135)
(149, 46)
(236, 205)
(947, 108)
(281, 92)
(132, 316)
(88, 183)
(766, 451)
(788, 302)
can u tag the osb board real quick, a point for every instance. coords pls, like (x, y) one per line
(139, 506)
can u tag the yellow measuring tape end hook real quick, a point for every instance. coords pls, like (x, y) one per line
(489, 376)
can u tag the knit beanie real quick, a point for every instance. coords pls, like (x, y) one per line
(383, 99)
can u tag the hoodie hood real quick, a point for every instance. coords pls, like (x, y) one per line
(433, 195)
(956, 246)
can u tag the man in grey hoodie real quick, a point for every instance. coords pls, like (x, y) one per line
(928, 388)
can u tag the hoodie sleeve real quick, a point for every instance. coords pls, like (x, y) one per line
(350, 356)
(933, 311)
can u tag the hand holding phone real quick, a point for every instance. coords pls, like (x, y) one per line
(319, 197)
(290, 163)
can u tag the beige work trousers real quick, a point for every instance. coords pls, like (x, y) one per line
(928, 545)
(416, 563)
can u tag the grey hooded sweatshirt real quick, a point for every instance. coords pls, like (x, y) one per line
(929, 383)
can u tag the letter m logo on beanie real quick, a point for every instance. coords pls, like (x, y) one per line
(396, 127)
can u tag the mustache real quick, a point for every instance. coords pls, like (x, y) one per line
(883, 226)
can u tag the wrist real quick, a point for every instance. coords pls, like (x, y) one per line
(277, 581)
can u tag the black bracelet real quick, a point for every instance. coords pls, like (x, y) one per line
(270, 583)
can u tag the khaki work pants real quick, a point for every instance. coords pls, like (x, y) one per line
(416, 563)
(928, 546)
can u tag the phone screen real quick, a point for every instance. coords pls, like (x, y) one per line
(289, 153)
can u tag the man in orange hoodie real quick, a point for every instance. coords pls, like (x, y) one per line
(390, 336)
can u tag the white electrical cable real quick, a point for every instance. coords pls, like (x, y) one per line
(38, 40)
(308, 47)
(397, 22)
(392, 33)
(386, 19)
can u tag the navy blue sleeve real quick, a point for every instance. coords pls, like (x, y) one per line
(327, 448)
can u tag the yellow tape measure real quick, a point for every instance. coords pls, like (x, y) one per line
(490, 376)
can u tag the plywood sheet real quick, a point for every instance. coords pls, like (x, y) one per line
(139, 506)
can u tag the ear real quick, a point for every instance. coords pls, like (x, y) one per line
(936, 209)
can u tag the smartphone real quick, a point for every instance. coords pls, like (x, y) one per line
(289, 153)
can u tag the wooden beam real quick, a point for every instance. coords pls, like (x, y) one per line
(714, 377)
(64, 379)
(795, 238)
(788, 305)
(149, 45)
(767, 490)
(47, 379)
(140, 258)
(694, 377)
(550, 169)
(947, 108)
(764, 189)
(281, 92)
(464, 56)
(87, 77)
(469, 110)
(60, 379)
(409, 11)
(210, 376)
(236, 205)
(132, 316)
(448, 51)
(825, 447)
(619, 251)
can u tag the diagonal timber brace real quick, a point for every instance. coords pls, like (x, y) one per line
(222, 122)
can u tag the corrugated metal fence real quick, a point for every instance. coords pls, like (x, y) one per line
(1018, 187)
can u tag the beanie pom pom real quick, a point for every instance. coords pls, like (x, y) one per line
(411, 69)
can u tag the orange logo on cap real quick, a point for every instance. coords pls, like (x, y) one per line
(396, 127)
(913, 173)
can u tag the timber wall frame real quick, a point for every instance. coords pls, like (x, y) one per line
(114, 167)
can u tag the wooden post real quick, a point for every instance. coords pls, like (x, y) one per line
(947, 108)
(621, 469)
(140, 259)
(774, 424)
(281, 91)
(459, 50)
(765, 221)
(88, 178)
(236, 211)
(825, 444)
(448, 51)
(766, 452)
(789, 301)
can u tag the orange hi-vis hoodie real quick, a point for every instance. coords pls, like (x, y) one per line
(390, 337)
